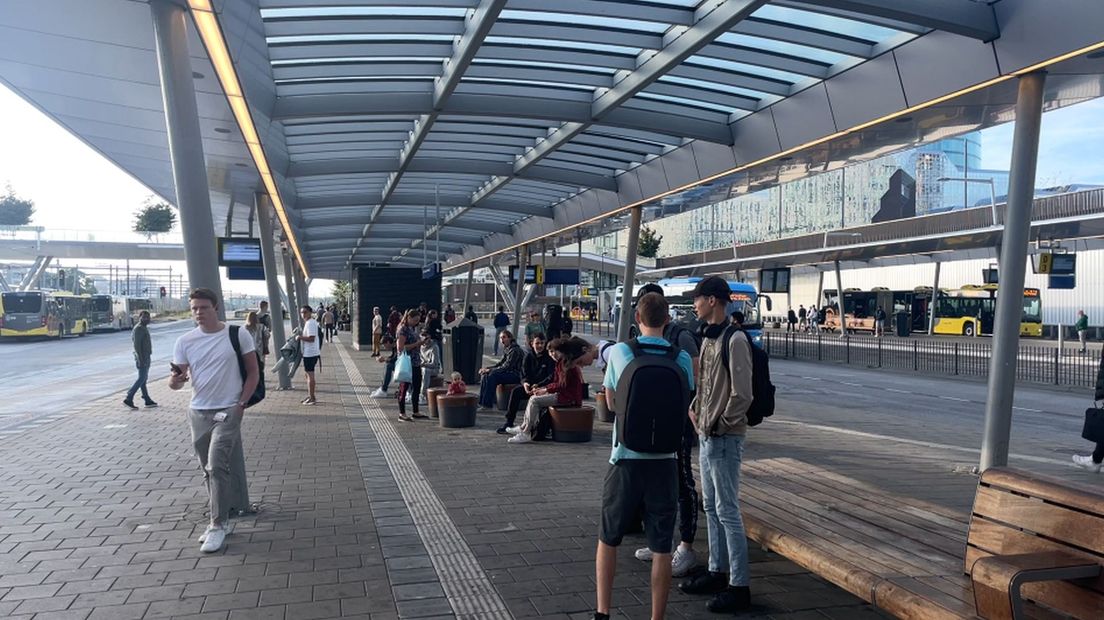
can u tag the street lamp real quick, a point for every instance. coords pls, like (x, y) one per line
(965, 196)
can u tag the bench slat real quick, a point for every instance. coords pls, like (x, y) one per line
(947, 540)
(1055, 490)
(905, 555)
(1033, 514)
(912, 599)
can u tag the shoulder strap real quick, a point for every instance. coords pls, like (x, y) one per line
(725, 338)
(234, 340)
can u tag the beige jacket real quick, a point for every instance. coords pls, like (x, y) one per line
(723, 398)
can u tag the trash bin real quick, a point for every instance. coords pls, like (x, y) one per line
(463, 350)
(904, 324)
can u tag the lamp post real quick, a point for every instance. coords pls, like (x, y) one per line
(965, 196)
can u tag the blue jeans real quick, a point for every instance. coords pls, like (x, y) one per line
(720, 459)
(490, 383)
(140, 384)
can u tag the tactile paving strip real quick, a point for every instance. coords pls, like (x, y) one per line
(467, 587)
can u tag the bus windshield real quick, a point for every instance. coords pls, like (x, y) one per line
(22, 303)
(1031, 310)
(100, 303)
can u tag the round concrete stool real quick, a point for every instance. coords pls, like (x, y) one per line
(502, 395)
(601, 409)
(456, 411)
(572, 424)
(431, 396)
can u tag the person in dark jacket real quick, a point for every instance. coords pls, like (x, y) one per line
(539, 368)
(470, 315)
(507, 370)
(1093, 462)
(434, 327)
(143, 351)
(501, 322)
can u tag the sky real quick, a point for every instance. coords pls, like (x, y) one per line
(76, 189)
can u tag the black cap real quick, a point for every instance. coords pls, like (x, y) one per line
(713, 286)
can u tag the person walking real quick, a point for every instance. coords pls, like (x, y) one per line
(814, 318)
(791, 320)
(311, 339)
(640, 481)
(410, 343)
(501, 322)
(260, 336)
(507, 370)
(1092, 462)
(377, 331)
(389, 368)
(879, 322)
(205, 356)
(720, 408)
(143, 352)
(329, 322)
(450, 314)
(471, 315)
(1082, 327)
(802, 318)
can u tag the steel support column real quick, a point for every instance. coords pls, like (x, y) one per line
(302, 293)
(265, 213)
(1013, 260)
(624, 319)
(934, 298)
(467, 289)
(523, 260)
(193, 200)
(840, 304)
(289, 290)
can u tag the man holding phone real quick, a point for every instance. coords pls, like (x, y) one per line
(206, 357)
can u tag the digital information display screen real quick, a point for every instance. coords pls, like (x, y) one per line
(239, 252)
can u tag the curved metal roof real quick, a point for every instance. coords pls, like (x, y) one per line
(517, 117)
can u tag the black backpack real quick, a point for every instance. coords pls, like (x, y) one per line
(650, 414)
(259, 391)
(762, 390)
(673, 334)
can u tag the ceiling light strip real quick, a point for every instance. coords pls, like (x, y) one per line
(210, 32)
(888, 117)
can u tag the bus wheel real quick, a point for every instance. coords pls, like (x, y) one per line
(968, 329)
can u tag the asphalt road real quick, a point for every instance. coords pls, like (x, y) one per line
(44, 379)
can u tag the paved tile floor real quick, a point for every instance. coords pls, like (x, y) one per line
(360, 516)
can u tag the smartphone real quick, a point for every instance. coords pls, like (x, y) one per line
(176, 370)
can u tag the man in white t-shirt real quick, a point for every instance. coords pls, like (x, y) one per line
(312, 351)
(206, 356)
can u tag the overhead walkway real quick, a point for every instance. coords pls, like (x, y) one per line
(20, 249)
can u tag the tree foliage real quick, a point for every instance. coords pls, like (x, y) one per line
(15, 211)
(649, 242)
(155, 218)
(88, 286)
(342, 293)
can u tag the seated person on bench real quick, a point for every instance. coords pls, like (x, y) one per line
(539, 369)
(565, 390)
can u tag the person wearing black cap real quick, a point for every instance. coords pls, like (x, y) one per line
(683, 559)
(719, 411)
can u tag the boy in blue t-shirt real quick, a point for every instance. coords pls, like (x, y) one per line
(636, 479)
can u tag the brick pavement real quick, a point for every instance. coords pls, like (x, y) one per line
(99, 514)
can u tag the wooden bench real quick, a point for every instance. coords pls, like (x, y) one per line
(1028, 534)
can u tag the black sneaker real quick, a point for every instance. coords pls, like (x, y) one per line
(705, 583)
(501, 430)
(600, 616)
(733, 599)
(150, 404)
(420, 416)
(129, 403)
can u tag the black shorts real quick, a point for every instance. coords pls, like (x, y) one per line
(309, 362)
(641, 487)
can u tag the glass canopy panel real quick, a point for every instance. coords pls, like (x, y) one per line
(826, 23)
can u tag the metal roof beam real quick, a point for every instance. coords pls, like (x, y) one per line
(976, 20)
(455, 165)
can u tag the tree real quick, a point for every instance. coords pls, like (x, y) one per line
(155, 218)
(342, 293)
(649, 243)
(15, 211)
(88, 286)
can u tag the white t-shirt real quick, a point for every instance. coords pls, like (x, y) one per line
(311, 349)
(213, 367)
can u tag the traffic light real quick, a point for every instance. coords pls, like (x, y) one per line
(61, 278)
(163, 291)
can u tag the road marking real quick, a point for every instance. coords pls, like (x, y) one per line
(812, 378)
(913, 442)
(1028, 409)
(468, 588)
(956, 399)
(853, 384)
(897, 391)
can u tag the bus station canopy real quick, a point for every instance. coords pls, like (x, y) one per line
(496, 123)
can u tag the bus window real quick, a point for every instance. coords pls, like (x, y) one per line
(22, 303)
(1032, 310)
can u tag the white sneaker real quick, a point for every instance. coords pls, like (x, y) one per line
(682, 561)
(643, 554)
(1086, 462)
(379, 393)
(422, 400)
(215, 537)
(520, 438)
(513, 430)
(229, 527)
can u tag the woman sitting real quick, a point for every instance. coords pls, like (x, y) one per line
(565, 390)
(539, 369)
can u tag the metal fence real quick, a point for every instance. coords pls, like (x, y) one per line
(966, 357)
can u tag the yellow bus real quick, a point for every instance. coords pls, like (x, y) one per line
(28, 314)
(76, 313)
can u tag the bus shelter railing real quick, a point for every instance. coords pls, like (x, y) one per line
(965, 358)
